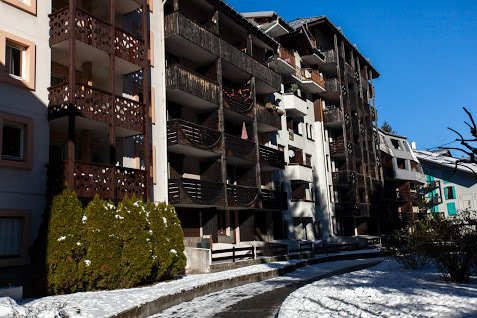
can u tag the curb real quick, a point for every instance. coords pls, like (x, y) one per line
(163, 302)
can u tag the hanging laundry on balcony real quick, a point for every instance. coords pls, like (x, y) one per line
(244, 132)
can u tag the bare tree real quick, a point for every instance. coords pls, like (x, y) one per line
(466, 147)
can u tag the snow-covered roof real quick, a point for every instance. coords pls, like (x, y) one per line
(442, 159)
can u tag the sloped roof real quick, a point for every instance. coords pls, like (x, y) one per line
(445, 161)
(298, 23)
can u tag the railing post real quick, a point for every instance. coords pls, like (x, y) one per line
(254, 252)
(233, 254)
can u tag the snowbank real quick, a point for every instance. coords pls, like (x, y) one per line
(386, 290)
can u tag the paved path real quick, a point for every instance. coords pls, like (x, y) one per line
(262, 299)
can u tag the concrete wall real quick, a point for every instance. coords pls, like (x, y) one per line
(198, 260)
(24, 189)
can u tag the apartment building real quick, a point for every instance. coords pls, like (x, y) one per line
(449, 188)
(220, 123)
(24, 78)
(403, 180)
(333, 175)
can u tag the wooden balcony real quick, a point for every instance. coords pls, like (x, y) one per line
(284, 64)
(361, 181)
(333, 117)
(330, 57)
(242, 197)
(405, 196)
(350, 209)
(274, 200)
(97, 33)
(268, 119)
(339, 150)
(271, 159)
(95, 104)
(181, 32)
(185, 191)
(343, 178)
(332, 88)
(239, 148)
(349, 69)
(108, 181)
(186, 86)
(310, 80)
(287, 56)
(192, 139)
(238, 102)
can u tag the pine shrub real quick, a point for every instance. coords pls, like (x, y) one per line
(66, 245)
(176, 260)
(136, 257)
(103, 258)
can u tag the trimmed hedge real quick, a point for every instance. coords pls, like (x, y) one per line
(109, 247)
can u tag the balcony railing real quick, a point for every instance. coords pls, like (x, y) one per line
(241, 196)
(108, 181)
(330, 56)
(179, 77)
(343, 178)
(349, 69)
(177, 24)
(338, 149)
(191, 191)
(308, 74)
(96, 104)
(240, 148)
(287, 56)
(96, 33)
(274, 200)
(349, 209)
(271, 157)
(185, 133)
(406, 196)
(331, 116)
(360, 180)
(332, 85)
(238, 101)
(269, 117)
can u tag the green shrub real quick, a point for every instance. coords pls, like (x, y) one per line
(103, 258)
(66, 244)
(136, 256)
(176, 260)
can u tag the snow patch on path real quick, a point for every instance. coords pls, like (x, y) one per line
(386, 290)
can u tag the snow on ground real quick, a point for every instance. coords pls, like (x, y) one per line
(386, 290)
(108, 303)
(211, 304)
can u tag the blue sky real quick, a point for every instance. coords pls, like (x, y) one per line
(425, 51)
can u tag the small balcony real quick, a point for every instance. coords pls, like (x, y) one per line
(242, 197)
(333, 117)
(285, 62)
(239, 149)
(191, 139)
(108, 181)
(343, 178)
(339, 150)
(330, 57)
(96, 33)
(95, 104)
(297, 172)
(271, 159)
(187, 87)
(349, 69)
(238, 102)
(192, 192)
(268, 119)
(349, 209)
(405, 196)
(274, 200)
(332, 89)
(294, 105)
(310, 80)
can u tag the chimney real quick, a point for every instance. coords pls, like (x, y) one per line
(413, 145)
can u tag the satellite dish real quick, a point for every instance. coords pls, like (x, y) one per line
(291, 153)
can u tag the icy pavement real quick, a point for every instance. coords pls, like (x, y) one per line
(386, 290)
(109, 303)
(211, 304)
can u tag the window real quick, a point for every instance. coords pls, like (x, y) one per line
(450, 193)
(13, 141)
(17, 60)
(451, 209)
(16, 141)
(28, 6)
(14, 237)
(395, 144)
